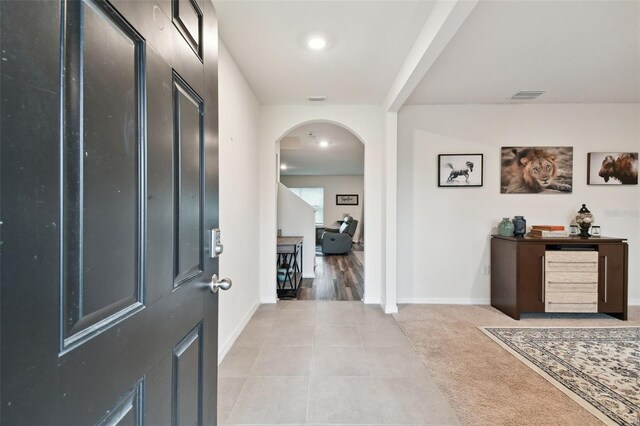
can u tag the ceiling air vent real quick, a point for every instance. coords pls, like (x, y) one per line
(316, 98)
(528, 94)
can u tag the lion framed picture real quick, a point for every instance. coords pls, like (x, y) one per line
(460, 170)
(612, 168)
(537, 169)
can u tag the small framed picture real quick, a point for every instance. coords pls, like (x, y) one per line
(347, 199)
(460, 170)
(612, 168)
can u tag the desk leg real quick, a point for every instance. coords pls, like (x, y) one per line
(301, 265)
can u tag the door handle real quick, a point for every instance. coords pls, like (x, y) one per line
(606, 278)
(544, 279)
(215, 284)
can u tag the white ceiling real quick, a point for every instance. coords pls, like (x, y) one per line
(368, 42)
(579, 51)
(303, 156)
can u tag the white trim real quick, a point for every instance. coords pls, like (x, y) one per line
(309, 275)
(391, 309)
(371, 301)
(456, 301)
(443, 301)
(224, 349)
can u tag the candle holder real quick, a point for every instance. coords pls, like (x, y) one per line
(584, 219)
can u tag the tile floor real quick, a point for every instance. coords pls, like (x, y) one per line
(326, 362)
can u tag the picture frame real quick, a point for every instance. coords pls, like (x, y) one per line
(536, 170)
(347, 199)
(460, 170)
(612, 168)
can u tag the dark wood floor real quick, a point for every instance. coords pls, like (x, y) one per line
(338, 277)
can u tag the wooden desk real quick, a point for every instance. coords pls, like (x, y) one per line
(289, 250)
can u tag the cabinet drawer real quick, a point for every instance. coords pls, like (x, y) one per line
(571, 261)
(571, 307)
(553, 287)
(572, 277)
(572, 298)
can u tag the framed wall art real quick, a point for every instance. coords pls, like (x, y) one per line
(536, 169)
(346, 199)
(612, 168)
(460, 170)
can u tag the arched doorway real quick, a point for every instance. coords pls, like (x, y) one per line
(367, 123)
(321, 197)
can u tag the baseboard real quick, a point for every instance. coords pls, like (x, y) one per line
(371, 301)
(224, 350)
(311, 275)
(268, 300)
(449, 301)
(443, 301)
(391, 309)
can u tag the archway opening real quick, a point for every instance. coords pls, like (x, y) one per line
(321, 198)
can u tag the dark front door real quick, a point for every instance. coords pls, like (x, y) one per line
(109, 186)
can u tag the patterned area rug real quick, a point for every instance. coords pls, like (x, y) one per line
(597, 367)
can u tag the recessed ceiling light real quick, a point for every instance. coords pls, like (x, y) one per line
(283, 166)
(323, 144)
(317, 43)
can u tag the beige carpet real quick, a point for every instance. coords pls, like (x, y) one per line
(485, 384)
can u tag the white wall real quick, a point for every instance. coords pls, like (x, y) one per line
(443, 237)
(333, 185)
(239, 200)
(297, 218)
(366, 123)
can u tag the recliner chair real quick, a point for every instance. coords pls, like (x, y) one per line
(338, 241)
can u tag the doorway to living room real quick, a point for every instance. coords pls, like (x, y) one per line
(321, 198)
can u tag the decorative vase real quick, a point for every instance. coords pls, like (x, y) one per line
(505, 227)
(519, 226)
(584, 219)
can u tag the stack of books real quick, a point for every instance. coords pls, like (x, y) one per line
(547, 231)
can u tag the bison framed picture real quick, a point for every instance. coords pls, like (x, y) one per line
(460, 170)
(536, 169)
(612, 168)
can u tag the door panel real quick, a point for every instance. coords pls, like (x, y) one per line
(188, 18)
(187, 386)
(531, 277)
(129, 411)
(110, 182)
(101, 187)
(611, 270)
(188, 107)
(103, 147)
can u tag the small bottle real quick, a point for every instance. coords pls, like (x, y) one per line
(520, 226)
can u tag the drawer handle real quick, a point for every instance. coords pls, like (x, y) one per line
(543, 279)
(605, 278)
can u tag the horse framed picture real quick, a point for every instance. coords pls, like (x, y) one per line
(460, 170)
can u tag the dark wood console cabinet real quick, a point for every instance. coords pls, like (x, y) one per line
(583, 275)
